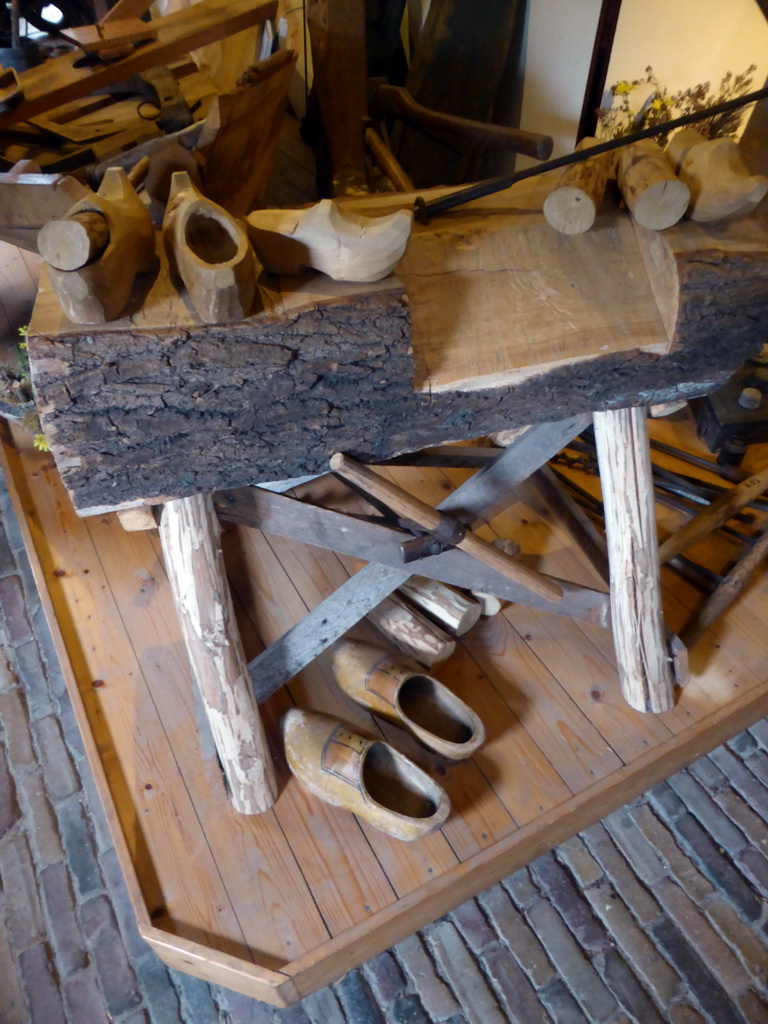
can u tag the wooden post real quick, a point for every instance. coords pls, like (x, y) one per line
(189, 533)
(337, 34)
(638, 626)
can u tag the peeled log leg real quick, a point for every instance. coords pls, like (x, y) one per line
(189, 532)
(638, 626)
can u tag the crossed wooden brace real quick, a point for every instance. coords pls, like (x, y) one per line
(649, 663)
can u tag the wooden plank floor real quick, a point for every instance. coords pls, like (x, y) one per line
(306, 890)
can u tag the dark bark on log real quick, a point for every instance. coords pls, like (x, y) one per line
(166, 413)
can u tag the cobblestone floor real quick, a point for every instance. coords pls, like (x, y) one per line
(658, 913)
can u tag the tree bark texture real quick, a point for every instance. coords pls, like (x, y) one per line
(148, 415)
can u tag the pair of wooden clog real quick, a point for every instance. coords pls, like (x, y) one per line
(369, 777)
(107, 239)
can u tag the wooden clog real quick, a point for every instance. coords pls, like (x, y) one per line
(397, 689)
(367, 777)
(345, 245)
(106, 239)
(719, 182)
(211, 253)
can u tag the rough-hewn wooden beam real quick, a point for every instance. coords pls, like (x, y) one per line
(159, 406)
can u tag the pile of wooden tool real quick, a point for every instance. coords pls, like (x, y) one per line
(126, 94)
(735, 513)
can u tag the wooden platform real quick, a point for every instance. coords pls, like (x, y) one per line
(278, 905)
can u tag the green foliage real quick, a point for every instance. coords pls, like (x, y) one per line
(623, 117)
(24, 357)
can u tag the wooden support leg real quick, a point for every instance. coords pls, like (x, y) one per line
(638, 626)
(189, 532)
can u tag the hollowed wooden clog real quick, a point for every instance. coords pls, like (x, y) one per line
(398, 689)
(367, 777)
(211, 253)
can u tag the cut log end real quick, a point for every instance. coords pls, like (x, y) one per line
(662, 204)
(570, 210)
(656, 198)
(74, 242)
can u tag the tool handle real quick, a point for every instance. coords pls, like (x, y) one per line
(410, 507)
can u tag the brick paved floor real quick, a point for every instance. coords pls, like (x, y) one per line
(658, 913)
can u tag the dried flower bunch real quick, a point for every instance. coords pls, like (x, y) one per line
(622, 118)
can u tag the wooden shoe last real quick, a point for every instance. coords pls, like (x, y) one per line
(367, 777)
(399, 690)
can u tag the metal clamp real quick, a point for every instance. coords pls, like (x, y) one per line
(448, 533)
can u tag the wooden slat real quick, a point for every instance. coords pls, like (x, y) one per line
(257, 846)
(151, 796)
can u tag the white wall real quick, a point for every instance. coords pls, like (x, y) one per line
(689, 41)
(685, 41)
(560, 35)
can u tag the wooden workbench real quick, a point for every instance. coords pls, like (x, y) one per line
(493, 321)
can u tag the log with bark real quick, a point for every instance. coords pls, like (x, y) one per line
(494, 321)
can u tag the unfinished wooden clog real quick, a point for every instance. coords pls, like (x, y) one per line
(211, 253)
(96, 251)
(398, 689)
(367, 777)
(344, 245)
(719, 182)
